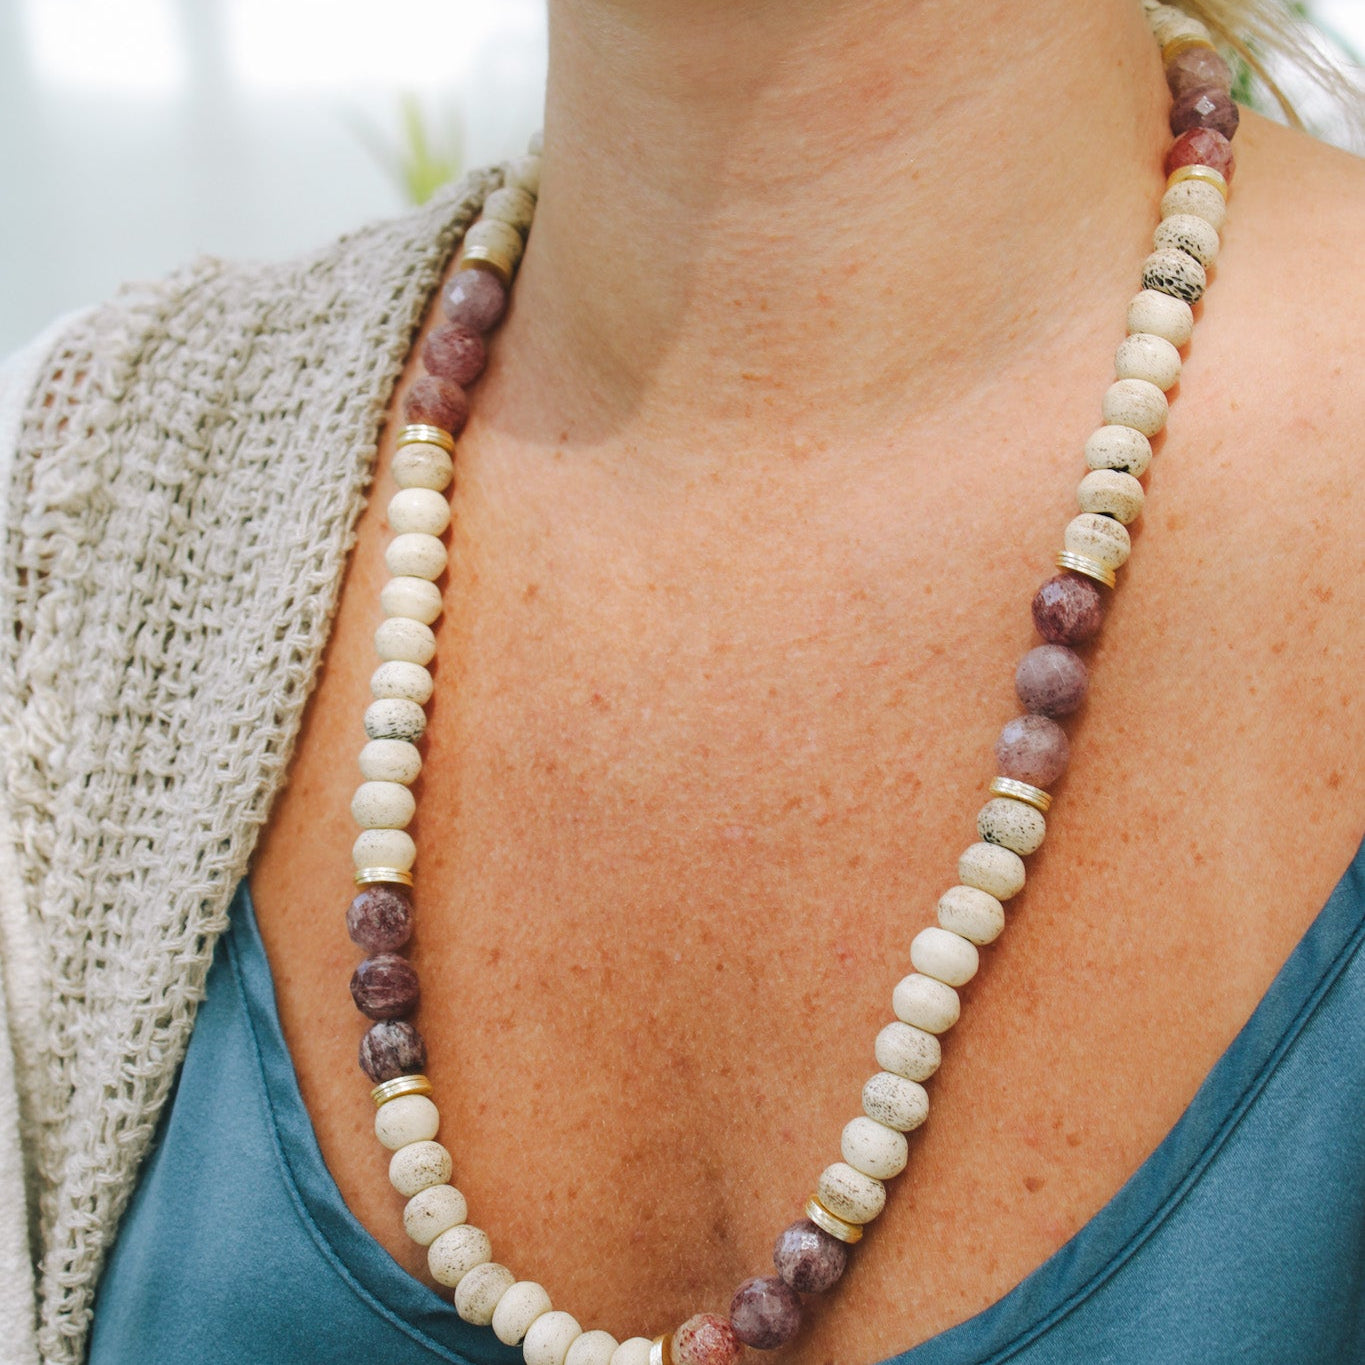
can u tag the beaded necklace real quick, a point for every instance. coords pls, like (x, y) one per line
(1031, 753)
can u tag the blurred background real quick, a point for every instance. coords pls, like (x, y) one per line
(135, 134)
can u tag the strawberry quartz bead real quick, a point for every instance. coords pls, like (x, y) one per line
(808, 1258)
(1068, 609)
(437, 402)
(380, 919)
(1051, 680)
(1032, 749)
(392, 1048)
(456, 353)
(475, 299)
(1205, 108)
(706, 1340)
(1202, 147)
(765, 1313)
(385, 987)
(1197, 68)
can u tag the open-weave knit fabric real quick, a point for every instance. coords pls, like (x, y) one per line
(185, 489)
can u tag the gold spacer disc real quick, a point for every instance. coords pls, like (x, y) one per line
(661, 1350)
(832, 1223)
(399, 1086)
(1068, 559)
(1022, 791)
(1205, 173)
(425, 435)
(1178, 45)
(486, 258)
(394, 876)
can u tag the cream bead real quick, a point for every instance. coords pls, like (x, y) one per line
(1118, 448)
(384, 848)
(398, 678)
(404, 640)
(495, 236)
(423, 465)
(1160, 315)
(432, 1211)
(991, 868)
(414, 555)
(416, 598)
(1176, 273)
(894, 1101)
(1099, 538)
(477, 1295)
(409, 1118)
(1014, 825)
(382, 805)
(549, 1337)
(873, 1149)
(394, 718)
(518, 1308)
(908, 1051)
(925, 1003)
(592, 1348)
(945, 956)
(1168, 23)
(1135, 403)
(632, 1351)
(849, 1194)
(1111, 494)
(418, 1165)
(1144, 355)
(456, 1252)
(1198, 198)
(523, 173)
(1190, 234)
(974, 914)
(390, 760)
(511, 205)
(422, 510)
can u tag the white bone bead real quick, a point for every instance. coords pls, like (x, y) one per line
(535, 144)
(456, 1252)
(523, 172)
(1167, 23)
(477, 1295)
(384, 848)
(1111, 494)
(518, 1308)
(549, 1337)
(1014, 825)
(417, 1166)
(974, 914)
(988, 867)
(925, 1003)
(422, 465)
(1198, 198)
(1160, 315)
(873, 1149)
(405, 640)
(423, 510)
(849, 1194)
(432, 1211)
(944, 955)
(1188, 233)
(632, 1351)
(895, 1101)
(1144, 355)
(395, 718)
(495, 236)
(398, 678)
(592, 1348)
(416, 598)
(1176, 273)
(1135, 403)
(1118, 448)
(416, 556)
(908, 1051)
(1099, 538)
(390, 760)
(511, 205)
(409, 1118)
(383, 805)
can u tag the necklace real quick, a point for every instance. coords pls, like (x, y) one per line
(1032, 753)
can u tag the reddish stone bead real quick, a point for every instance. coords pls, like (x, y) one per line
(706, 1340)
(456, 353)
(1069, 609)
(765, 1312)
(380, 918)
(476, 299)
(437, 403)
(1051, 680)
(1205, 108)
(808, 1258)
(385, 987)
(1202, 147)
(392, 1048)
(1032, 749)
(1197, 68)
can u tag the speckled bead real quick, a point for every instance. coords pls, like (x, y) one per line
(849, 1194)
(1100, 538)
(1198, 199)
(417, 1166)
(990, 868)
(401, 639)
(1032, 749)
(1187, 233)
(423, 465)
(379, 919)
(632, 1351)
(894, 1101)
(383, 805)
(415, 556)
(392, 1048)
(908, 1051)
(455, 353)
(513, 206)
(808, 1258)
(972, 913)
(385, 987)
(592, 1348)
(432, 1210)
(706, 1339)
(456, 1252)
(409, 1118)
(384, 848)
(523, 172)
(1014, 825)
(478, 1293)
(1144, 355)
(549, 1337)
(873, 1149)
(1202, 147)
(420, 510)
(765, 1312)
(1176, 273)
(1206, 107)
(413, 597)
(436, 402)
(1170, 24)
(497, 237)
(394, 718)
(520, 1305)
(1156, 314)
(1136, 403)
(397, 678)
(390, 760)
(1121, 448)
(944, 955)
(925, 1003)
(1197, 66)
(475, 299)
(1051, 680)
(1106, 492)
(1068, 609)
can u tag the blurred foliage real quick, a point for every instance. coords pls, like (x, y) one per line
(421, 160)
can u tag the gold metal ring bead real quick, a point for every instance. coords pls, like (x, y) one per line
(1091, 568)
(418, 433)
(398, 1087)
(1178, 44)
(1195, 172)
(476, 257)
(394, 876)
(832, 1223)
(661, 1350)
(1022, 791)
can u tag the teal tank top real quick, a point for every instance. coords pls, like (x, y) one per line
(1241, 1238)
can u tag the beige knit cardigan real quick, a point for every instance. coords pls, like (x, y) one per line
(185, 470)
